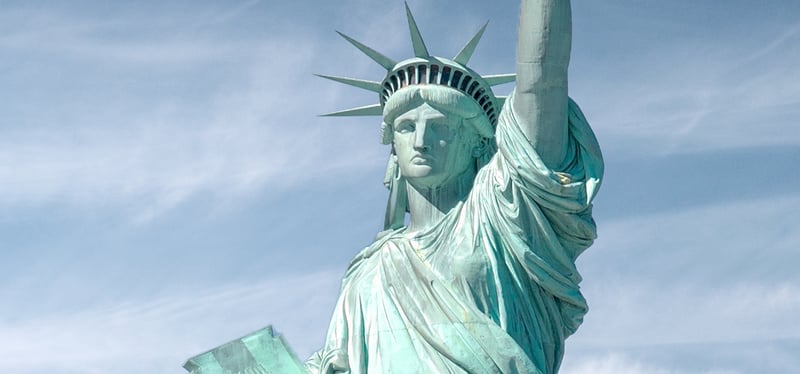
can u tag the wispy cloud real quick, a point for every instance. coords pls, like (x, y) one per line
(698, 96)
(705, 289)
(116, 40)
(612, 363)
(642, 312)
(719, 276)
(255, 130)
(757, 356)
(157, 336)
(244, 141)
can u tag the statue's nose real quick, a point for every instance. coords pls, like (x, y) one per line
(422, 137)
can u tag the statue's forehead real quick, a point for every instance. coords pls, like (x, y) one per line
(424, 111)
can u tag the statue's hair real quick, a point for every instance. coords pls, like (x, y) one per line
(444, 99)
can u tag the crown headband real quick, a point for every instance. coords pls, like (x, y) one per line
(425, 69)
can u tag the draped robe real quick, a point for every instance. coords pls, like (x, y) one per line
(492, 287)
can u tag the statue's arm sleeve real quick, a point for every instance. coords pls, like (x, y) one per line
(540, 217)
(524, 191)
(543, 52)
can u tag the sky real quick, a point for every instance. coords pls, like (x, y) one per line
(167, 184)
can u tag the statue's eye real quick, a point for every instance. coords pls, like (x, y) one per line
(405, 127)
(442, 130)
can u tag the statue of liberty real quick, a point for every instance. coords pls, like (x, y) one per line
(480, 276)
(489, 207)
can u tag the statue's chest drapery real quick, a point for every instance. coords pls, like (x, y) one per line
(456, 256)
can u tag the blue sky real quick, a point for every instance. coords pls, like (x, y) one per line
(167, 186)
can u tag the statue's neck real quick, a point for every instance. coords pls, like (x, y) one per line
(428, 205)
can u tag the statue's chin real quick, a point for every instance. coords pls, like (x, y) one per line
(437, 181)
(427, 176)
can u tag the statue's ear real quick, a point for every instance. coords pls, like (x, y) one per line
(387, 134)
(480, 148)
(477, 151)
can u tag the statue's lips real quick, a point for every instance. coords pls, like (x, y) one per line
(421, 159)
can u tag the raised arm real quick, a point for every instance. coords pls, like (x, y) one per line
(543, 49)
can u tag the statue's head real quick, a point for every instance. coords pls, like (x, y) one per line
(438, 115)
(437, 133)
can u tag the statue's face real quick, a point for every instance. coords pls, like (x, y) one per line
(432, 148)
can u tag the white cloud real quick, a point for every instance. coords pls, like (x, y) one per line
(657, 312)
(157, 336)
(692, 291)
(256, 130)
(613, 363)
(697, 96)
(115, 40)
(757, 356)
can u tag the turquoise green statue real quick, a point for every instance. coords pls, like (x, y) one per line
(261, 352)
(489, 206)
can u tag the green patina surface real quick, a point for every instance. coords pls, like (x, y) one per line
(261, 352)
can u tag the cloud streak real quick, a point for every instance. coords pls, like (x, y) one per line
(699, 95)
(118, 39)
(693, 291)
(156, 335)
(229, 141)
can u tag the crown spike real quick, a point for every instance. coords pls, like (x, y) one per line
(367, 110)
(376, 56)
(360, 83)
(416, 37)
(466, 53)
(496, 80)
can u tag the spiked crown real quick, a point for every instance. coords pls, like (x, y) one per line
(425, 69)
